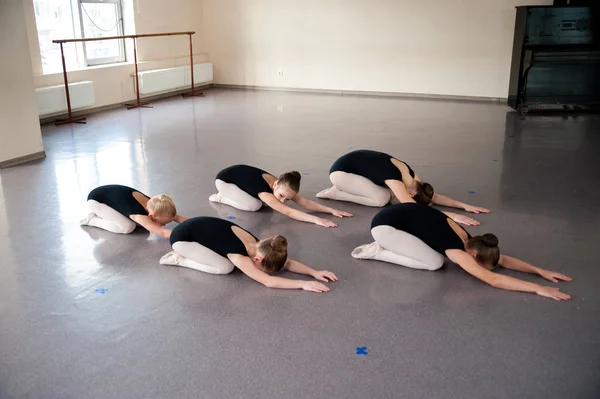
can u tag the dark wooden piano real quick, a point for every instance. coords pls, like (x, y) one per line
(556, 59)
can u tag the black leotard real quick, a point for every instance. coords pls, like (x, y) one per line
(119, 198)
(213, 233)
(248, 178)
(424, 222)
(375, 166)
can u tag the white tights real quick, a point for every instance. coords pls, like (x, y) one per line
(357, 189)
(200, 258)
(232, 195)
(405, 249)
(108, 219)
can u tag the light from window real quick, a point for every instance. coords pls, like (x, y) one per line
(51, 25)
(101, 20)
(67, 19)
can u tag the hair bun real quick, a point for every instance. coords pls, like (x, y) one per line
(279, 243)
(296, 174)
(489, 240)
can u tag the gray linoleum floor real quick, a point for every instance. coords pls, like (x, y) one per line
(88, 314)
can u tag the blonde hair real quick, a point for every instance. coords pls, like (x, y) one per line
(274, 251)
(162, 204)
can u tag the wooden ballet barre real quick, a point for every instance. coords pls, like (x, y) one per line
(92, 39)
(138, 103)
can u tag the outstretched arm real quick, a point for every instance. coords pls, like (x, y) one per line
(462, 219)
(469, 264)
(508, 262)
(180, 219)
(315, 206)
(295, 214)
(300, 268)
(151, 226)
(247, 267)
(442, 200)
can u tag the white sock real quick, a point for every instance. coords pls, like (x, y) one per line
(171, 258)
(328, 193)
(367, 251)
(86, 220)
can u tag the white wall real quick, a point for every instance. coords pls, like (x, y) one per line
(114, 84)
(20, 130)
(447, 47)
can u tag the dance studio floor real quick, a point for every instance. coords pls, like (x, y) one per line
(88, 314)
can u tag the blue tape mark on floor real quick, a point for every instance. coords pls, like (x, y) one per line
(510, 137)
(494, 160)
(305, 173)
(101, 290)
(361, 350)
(472, 192)
(230, 217)
(351, 148)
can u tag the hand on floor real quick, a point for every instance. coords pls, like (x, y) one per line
(462, 219)
(554, 276)
(324, 275)
(340, 214)
(475, 209)
(325, 223)
(313, 286)
(553, 293)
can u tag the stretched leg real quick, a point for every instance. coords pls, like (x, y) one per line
(396, 246)
(195, 256)
(354, 188)
(106, 218)
(232, 195)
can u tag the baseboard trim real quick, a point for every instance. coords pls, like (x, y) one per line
(498, 100)
(21, 160)
(94, 110)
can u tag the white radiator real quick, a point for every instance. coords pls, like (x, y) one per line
(52, 99)
(161, 80)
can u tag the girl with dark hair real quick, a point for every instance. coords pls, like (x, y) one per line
(246, 188)
(418, 236)
(366, 177)
(216, 246)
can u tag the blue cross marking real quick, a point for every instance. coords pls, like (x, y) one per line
(361, 350)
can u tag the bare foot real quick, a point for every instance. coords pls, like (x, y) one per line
(328, 193)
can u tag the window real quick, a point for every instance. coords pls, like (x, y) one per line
(101, 19)
(64, 19)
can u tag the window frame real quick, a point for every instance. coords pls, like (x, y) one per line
(122, 57)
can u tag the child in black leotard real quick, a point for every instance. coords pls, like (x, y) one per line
(418, 236)
(216, 246)
(367, 177)
(246, 188)
(120, 209)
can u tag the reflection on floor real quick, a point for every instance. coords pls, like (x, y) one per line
(88, 314)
